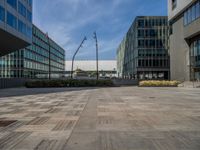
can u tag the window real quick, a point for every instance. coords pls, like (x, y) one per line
(12, 3)
(192, 13)
(21, 9)
(11, 20)
(198, 9)
(29, 16)
(2, 14)
(185, 18)
(140, 33)
(21, 27)
(174, 4)
(30, 2)
(140, 43)
(195, 53)
(141, 23)
(29, 32)
(152, 33)
(189, 16)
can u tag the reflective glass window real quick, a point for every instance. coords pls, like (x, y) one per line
(11, 20)
(198, 9)
(2, 14)
(21, 27)
(21, 9)
(29, 15)
(29, 31)
(30, 2)
(12, 3)
(141, 23)
(186, 18)
(193, 13)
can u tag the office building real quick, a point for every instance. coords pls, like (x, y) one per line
(143, 53)
(43, 58)
(184, 20)
(15, 25)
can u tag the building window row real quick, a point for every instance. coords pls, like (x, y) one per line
(151, 33)
(195, 53)
(192, 13)
(149, 23)
(153, 63)
(18, 25)
(13, 3)
(36, 57)
(152, 53)
(35, 65)
(39, 50)
(151, 43)
(21, 9)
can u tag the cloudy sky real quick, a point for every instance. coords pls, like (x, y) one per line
(68, 21)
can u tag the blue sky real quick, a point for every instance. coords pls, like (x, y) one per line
(68, 21)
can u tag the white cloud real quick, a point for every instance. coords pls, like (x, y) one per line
(68, 21)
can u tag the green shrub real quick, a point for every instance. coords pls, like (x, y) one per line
(68, 83)
(163, 83)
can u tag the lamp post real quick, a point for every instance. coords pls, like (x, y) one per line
(97, 54)
(48, 42)
(72, 69)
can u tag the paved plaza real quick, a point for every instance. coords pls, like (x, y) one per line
(120, 118)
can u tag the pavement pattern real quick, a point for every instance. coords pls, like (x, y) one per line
(121, 118)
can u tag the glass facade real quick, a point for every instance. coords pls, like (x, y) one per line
(195, 59)
(146, 49)
(22, 27)
(2, 14)
(21, 9)
(11, 20)
(44, 56)
(16, 24)
(192, 13)
(12, 3)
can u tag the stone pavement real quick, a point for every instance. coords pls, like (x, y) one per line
(122, 118)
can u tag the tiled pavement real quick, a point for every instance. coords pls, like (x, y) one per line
(125, 118)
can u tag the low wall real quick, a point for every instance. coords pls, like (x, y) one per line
(125, 82)
(11, 83)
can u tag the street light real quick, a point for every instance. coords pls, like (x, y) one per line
(97, 55)
(81, 45)
(48, 42)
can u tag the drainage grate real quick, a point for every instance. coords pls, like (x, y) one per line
(5, 123)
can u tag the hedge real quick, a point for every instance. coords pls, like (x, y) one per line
(69, 83)
(159, 83)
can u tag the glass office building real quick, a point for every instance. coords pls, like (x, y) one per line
(143, 53)
(15, 25)
(43, 58)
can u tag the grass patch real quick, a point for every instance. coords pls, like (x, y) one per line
(69, 83)
(159, 83)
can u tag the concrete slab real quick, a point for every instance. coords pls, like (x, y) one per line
(121, 118)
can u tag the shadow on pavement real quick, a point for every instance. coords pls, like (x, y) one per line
(34, 91)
